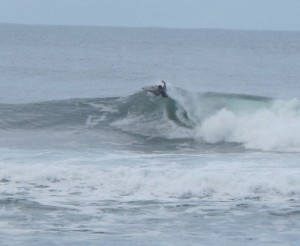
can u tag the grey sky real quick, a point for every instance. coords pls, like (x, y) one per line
(233, 14)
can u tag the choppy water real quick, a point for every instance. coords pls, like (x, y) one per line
(88, 158)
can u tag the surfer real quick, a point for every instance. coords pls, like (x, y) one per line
(157, 89)
(162, 90)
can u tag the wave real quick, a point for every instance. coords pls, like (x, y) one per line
(211, 118)
(254, 122)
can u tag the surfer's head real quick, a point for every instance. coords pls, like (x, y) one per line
(160, 87)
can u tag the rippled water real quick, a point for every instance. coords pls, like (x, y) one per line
(88, 158)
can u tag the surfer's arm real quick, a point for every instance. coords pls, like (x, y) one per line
(165, 86)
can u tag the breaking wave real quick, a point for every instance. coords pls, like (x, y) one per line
(211, 118)
(149, 183)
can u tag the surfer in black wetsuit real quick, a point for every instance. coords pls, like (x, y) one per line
(162, 90)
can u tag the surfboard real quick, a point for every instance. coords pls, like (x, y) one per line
(153, 89)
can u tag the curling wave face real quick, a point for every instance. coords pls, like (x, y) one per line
(208, 118)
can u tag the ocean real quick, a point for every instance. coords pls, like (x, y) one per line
(89, 158)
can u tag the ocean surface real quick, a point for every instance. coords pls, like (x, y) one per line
(89, 158)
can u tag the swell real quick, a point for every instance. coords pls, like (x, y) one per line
(65, 114)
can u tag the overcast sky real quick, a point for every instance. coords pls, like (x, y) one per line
(232, 14)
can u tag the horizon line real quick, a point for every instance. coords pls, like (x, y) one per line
(147, 27)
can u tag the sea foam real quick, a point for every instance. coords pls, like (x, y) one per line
(148, 183)
(274, 128)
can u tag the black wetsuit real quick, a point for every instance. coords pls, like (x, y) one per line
(163, 91)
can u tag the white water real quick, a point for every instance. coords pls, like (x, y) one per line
(268, 129)
(207, 180)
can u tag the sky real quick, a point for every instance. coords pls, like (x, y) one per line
(224, 14)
